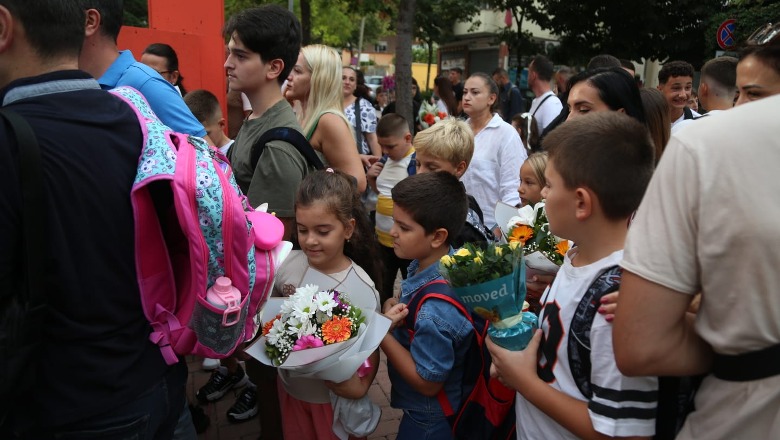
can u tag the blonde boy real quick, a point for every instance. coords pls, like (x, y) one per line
(205, 106)
(597, 172)
(448, 146)
(397, 163)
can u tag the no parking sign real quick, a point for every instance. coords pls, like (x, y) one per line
(726, 34)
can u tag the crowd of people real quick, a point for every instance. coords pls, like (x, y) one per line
(675, 189)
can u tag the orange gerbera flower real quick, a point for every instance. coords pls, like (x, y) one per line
(562, 247)
(520, 233)
(269, 324)
(336, 329)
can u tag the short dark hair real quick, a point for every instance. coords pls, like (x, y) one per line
(722, 70)
(500, 71)
(609, 153)
(603, 60)
(271, 31)
(110, 15)
(458, 70)
(392, 124)
(203, 104)
(674, 68)
(616, 88)
(52, 27)
(627, 64)
(543, 67)
(434, 200)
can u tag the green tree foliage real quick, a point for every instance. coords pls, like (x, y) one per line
(136, 13)
(653, 29)
(521, 40)
(434, 20)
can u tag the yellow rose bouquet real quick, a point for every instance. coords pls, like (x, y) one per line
(491, 282)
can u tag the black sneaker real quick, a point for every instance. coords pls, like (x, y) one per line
(246, 405)
(220, 383)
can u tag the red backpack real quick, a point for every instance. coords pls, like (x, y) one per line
(486, 410)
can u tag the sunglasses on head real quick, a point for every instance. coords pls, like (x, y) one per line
(764, 34)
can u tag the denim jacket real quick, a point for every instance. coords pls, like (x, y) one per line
(442, 335)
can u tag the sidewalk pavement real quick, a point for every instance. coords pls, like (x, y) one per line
(221, 429)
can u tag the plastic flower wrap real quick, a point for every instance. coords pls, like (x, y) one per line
(491, 281)
(430, 114)
(310, 319)
(529, 226)
(318, 334)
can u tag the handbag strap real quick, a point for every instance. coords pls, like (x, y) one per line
(358, 128)
(33, 200)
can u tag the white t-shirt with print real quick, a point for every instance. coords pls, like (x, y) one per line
(621, 406)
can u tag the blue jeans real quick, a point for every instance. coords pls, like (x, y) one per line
(152, 415)
(418, 425)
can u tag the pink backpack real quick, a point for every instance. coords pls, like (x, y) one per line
(193, 225)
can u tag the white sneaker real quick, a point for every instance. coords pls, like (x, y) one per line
(210, 364)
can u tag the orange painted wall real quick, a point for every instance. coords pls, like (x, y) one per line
(194, 29)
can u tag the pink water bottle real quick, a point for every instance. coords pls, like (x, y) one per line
(224, 296)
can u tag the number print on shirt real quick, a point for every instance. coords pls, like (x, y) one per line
(551, 340)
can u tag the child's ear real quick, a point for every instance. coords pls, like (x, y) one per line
(408, 138)
(439, 238)
(460, 169)
(585, 199)
(349, 229)
(222, 123)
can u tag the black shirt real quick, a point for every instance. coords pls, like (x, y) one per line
(96, 355)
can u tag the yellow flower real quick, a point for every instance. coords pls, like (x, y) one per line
(462, 252)
(447, 261)
(477, 260)
(520, 233)
(513, 245)
(499, 251)
(562, 247)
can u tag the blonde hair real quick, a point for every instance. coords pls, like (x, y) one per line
(538, 162)
(325, 94)
(449, 139)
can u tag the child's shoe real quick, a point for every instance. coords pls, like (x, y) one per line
(246, 405)
(220, 383)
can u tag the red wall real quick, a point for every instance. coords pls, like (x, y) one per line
(194, 29)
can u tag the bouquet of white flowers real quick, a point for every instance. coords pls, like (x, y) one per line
(318, 334)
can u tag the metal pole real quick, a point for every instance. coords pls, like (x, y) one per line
(290, 5)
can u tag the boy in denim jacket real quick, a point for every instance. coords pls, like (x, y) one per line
(429, 210)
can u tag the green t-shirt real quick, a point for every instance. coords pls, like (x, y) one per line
(281, 167)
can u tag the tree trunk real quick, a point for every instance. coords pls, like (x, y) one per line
(305, 23)
(430, 59)
(403, 61)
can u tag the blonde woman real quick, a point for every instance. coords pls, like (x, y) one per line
(315, 81)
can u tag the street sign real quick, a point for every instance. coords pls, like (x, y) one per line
(725, 34)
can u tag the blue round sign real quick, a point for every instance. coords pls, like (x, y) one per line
(726, 34)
